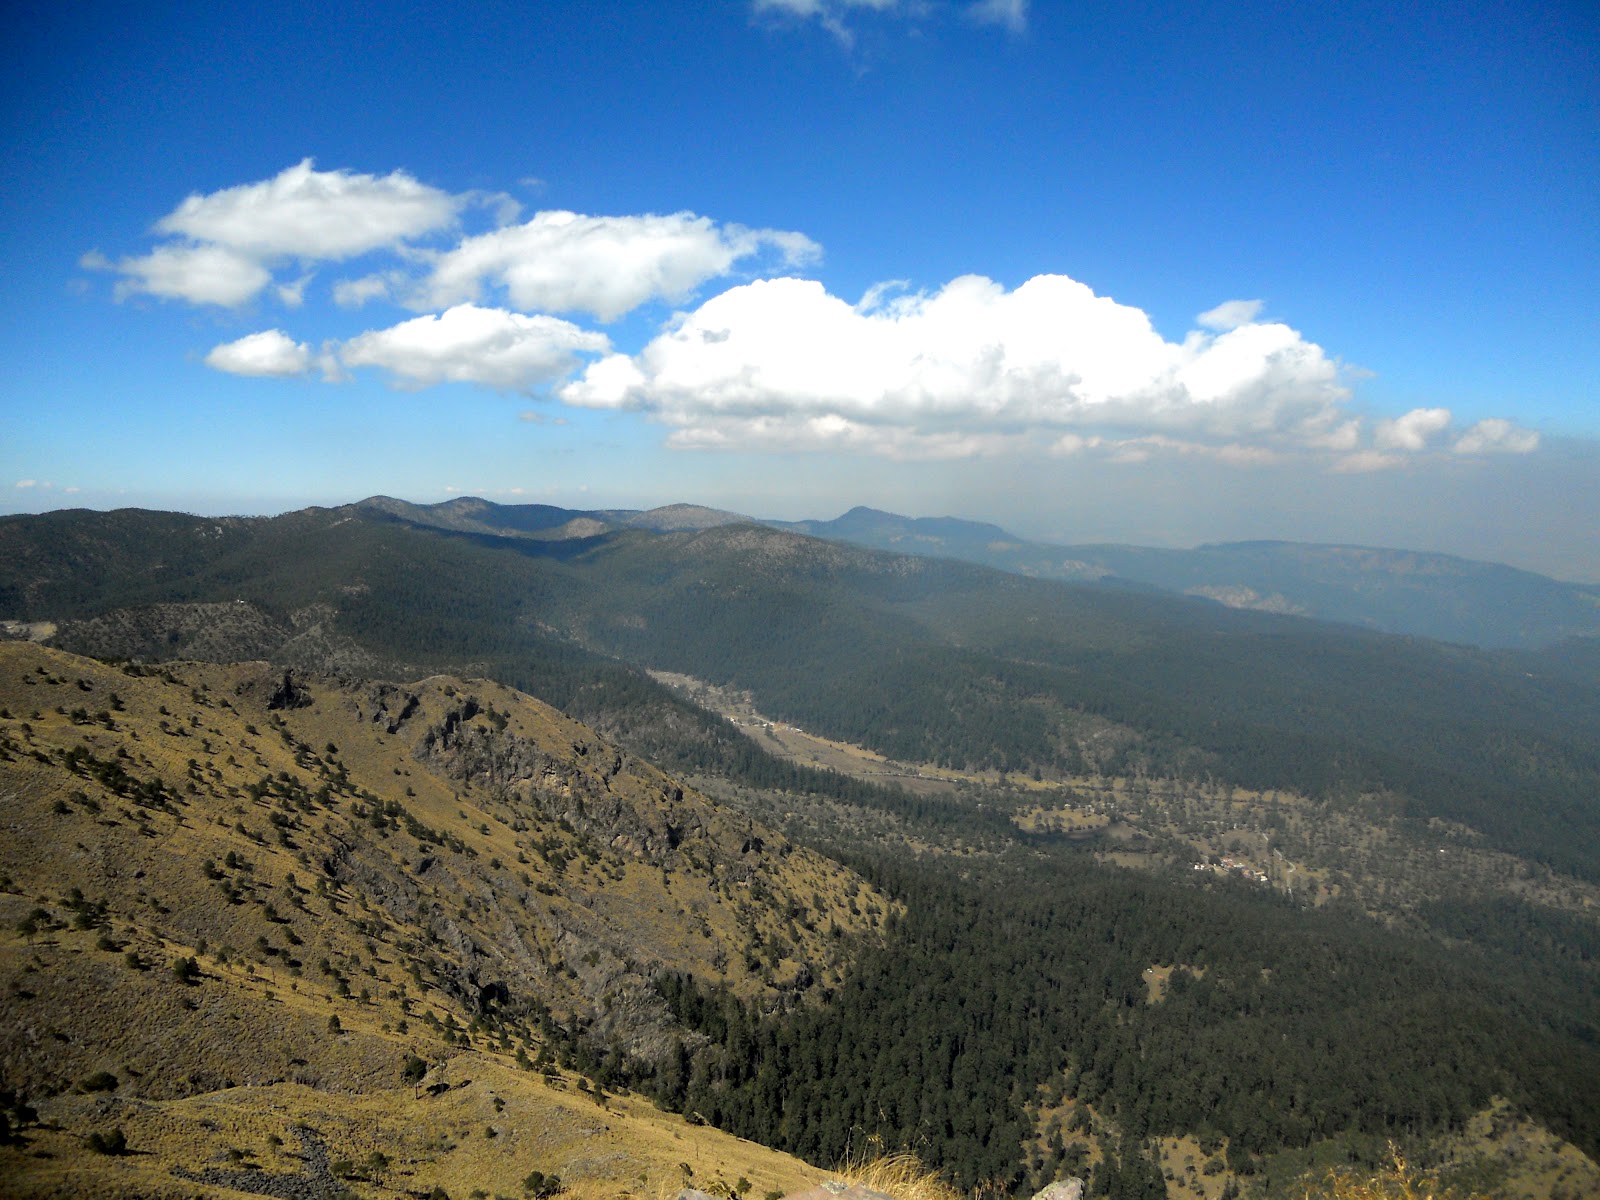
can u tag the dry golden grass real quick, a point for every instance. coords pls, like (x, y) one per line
(902, 1176)
(1399, 1181)
(535, 872)
(627, 1149)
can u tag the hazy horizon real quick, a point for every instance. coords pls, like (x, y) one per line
(1088, 274)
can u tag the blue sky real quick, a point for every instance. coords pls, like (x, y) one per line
(1143, 272)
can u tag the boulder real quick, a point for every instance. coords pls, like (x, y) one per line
(835, 1190)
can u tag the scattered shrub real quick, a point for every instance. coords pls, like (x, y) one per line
(541, 1186)
(114, 1143)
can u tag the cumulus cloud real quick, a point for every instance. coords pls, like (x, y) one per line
(1413, 431)
(1230, 314)
(779, 363)
(308, 214)
(225, 243)
(783, 359)
(224, 247)
(1493, 435)
(567, 262)
(467, 344)
(270, 353)
(198, 274)
(293, 295)
(353, 293)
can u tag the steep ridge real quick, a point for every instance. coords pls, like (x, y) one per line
(232, 877)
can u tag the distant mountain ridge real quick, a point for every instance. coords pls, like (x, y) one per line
(469, 514)
(1411, 592)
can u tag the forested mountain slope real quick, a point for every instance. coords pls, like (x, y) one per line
(1397, 591)
(217, 876)
(922, 659)
(931, 660)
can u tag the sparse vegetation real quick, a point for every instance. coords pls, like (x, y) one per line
(113, 1143)
(1399, 1181)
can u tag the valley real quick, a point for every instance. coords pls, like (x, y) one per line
(671, 830)
(1308, 851)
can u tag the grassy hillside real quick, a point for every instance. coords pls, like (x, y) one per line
(220, 878)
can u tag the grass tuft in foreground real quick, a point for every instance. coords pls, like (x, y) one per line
(902, 1176)
(1399, 1181)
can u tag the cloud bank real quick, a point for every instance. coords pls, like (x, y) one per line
(226, 248)
(974, 369)
(776, 362)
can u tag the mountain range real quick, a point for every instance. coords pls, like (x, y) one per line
(1027, 875)
(1429, 595)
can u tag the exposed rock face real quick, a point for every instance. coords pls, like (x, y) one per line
(1070, 1188)
(386, 704)
(314, 1181)
(575, 789)
(288, 694)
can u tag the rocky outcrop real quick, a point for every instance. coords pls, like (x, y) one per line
(314, 1180)
(574, 789)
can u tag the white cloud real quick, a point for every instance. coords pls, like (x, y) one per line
(782, 359)
(830, 14)
(26, 484)
(198, 274)
(1230, 314)
(309, 214)
(1008, 14)
(270, 353)
(566, 262)
(225, 247)
(468, 344)
(293, 295)
(1413, 431)
(226, 243)
(833, 15)
(1495, 435)
(353, 293)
